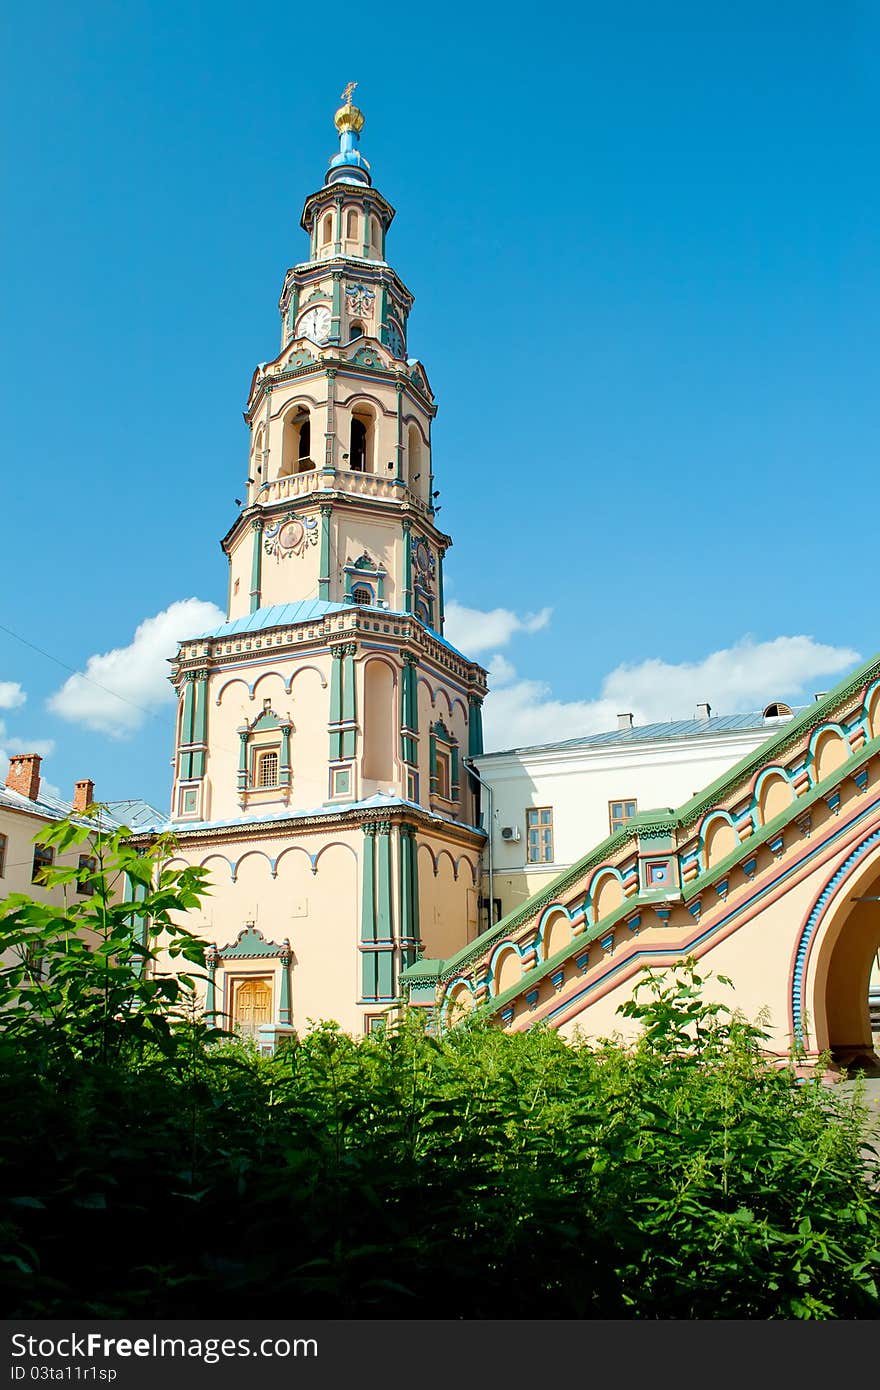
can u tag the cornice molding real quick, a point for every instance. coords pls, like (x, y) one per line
(338, 499)
(344, 819)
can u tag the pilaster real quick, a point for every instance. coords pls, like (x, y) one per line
(256, 563)
(324, 576)
(349, 702)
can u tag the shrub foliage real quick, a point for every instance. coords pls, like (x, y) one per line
(154, 1167)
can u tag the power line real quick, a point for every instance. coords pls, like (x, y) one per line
(63, 664)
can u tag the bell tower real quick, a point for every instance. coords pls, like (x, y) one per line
(322, 729)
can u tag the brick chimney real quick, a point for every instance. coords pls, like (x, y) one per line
(83, 794)
(24, 774)
(704, 711)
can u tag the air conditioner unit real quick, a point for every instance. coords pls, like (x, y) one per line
(510, 832)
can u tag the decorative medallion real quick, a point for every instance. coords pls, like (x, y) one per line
(360, 300)
(424, 565)
(290, 535)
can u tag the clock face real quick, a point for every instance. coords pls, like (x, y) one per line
(314, 324)
(395, 340)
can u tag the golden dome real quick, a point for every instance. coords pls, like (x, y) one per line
(349, 117)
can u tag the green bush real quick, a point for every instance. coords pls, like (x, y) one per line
(152, 1167)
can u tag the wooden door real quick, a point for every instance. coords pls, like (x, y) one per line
(253, 1006)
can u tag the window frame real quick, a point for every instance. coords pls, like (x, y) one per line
(616, 823)
(443, 758)
(541, 827)
(260, 755)
(44, 858)
(4, 845)
(86, 886)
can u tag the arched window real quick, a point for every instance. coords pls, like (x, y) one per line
(375, 234)
(778, 711)
(296, 443)
(361, 446)
(413, 455)
(351, 224)
(355, 331)
(362, 595)
(327, 230)
(379, 721)
(304, 449)
(257, 457)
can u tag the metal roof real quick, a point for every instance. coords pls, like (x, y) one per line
(276, 615)
(136, 814)
(671, 729)
(307, 611)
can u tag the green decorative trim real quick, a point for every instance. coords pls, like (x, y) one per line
(441, 612)
(774, 748)
(324, 576)
(409, 895)
(256, 563)
(336, 310)
(200, 725)
(383, 895)
(284, 770)
(475, 726)
(336, 702)
(651, 824)
(407, 566)
(349, 703)
(285, 1014)
(242, 760)
(409, 711)
(368, 913)
(337, 244)
(251, 944)
(211, 993)
(186, 729)
(366, 357)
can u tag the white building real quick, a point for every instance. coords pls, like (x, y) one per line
(548, 804)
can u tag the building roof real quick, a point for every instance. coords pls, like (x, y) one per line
(263, 816)
(136, 814)
(276, 615)
(307, 611)
(668, 730)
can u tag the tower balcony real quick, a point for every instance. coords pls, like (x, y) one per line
(357, 484)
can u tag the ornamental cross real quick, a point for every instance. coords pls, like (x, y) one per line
(346, 95)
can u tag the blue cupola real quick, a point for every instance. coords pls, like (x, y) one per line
(349, 165)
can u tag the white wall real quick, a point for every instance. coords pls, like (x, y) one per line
(579, 782)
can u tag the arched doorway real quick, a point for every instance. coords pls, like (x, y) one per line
(842, 961)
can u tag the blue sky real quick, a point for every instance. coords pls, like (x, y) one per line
(643, 246)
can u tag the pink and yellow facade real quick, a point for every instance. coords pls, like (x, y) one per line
(322, 729)
(772, 874)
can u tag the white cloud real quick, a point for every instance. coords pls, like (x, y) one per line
(119, 688)
(501, 671)
(11, 695)
(745, 676)
(734, 679)
(11, 743)
(473, 631)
